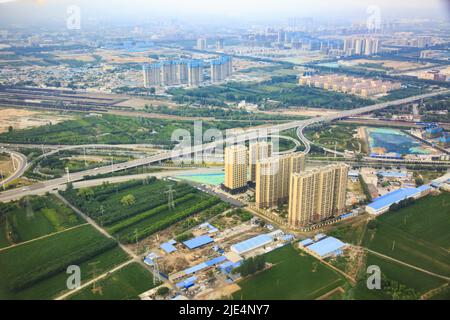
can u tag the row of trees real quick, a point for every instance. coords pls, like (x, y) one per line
(402, 204)
(251, 265)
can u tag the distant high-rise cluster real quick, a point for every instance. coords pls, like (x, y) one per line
(221, 68)
(361, 46)
(364, 87)
(173, 72)
(317, 194)
(272, 178)
(178, 72)
(424, 41)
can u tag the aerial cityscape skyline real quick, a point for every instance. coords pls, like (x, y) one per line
(237, 151)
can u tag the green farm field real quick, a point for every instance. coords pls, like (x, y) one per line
(37, 269)
(34, 217)
(398, 281)
(147, 211)
(417, 235)
(294, 276)
(124, 284)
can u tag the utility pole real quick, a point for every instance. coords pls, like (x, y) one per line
(95, 289)
(68, 174)
(84, 151)
(170, 201)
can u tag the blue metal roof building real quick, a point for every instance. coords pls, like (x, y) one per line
(189, 282)
(306, 242)
(228, 266)
(204, 265)
(251, 244)
(198, 242)
(326, 247)
(382, 204)
(168, 248)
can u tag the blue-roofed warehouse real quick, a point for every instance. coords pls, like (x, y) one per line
(326, 247)
(381, 204)
(202, 266)
(189, 282)
(198, 242)
(168, 247)
(251, 244)
(306, 242)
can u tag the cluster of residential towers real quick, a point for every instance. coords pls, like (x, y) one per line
(188, 72)
(312, 195)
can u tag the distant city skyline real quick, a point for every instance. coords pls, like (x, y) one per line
(25, 12)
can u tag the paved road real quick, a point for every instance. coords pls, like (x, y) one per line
(353, 112)
(60, 183)
(20, 162)
(238, 136)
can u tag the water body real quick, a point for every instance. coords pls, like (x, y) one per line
(210, 178)
(385, 140)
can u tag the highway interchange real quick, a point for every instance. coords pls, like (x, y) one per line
(215, 146)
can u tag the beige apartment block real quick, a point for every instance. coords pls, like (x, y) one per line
(258, 151)
(272, 178)
(317, 194)
(236, 163)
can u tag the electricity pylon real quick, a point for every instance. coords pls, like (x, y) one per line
(170, 201)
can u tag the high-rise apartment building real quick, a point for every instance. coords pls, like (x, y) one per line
(236, 164)
(258, 151)
(219, 44)
(195, 73)
(201, 43)
(221, 68)
(152, 75)
(273, 178)
(317, 194)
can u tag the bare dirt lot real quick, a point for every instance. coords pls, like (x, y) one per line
(23, 119)
(6, 166)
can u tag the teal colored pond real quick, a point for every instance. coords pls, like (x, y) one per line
(209, 178)
(385, 140)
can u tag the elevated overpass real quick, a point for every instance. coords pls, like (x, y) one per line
(237, 137)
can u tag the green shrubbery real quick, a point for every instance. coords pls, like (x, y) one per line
(169, 220)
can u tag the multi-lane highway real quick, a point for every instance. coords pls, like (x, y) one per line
(232, 137)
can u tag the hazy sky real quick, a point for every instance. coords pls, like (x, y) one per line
(20, 11)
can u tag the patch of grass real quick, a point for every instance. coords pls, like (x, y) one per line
(293, 276)
(124, 284)
(34, 217)
(412, 280)
(18, 261)
(417, 234)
